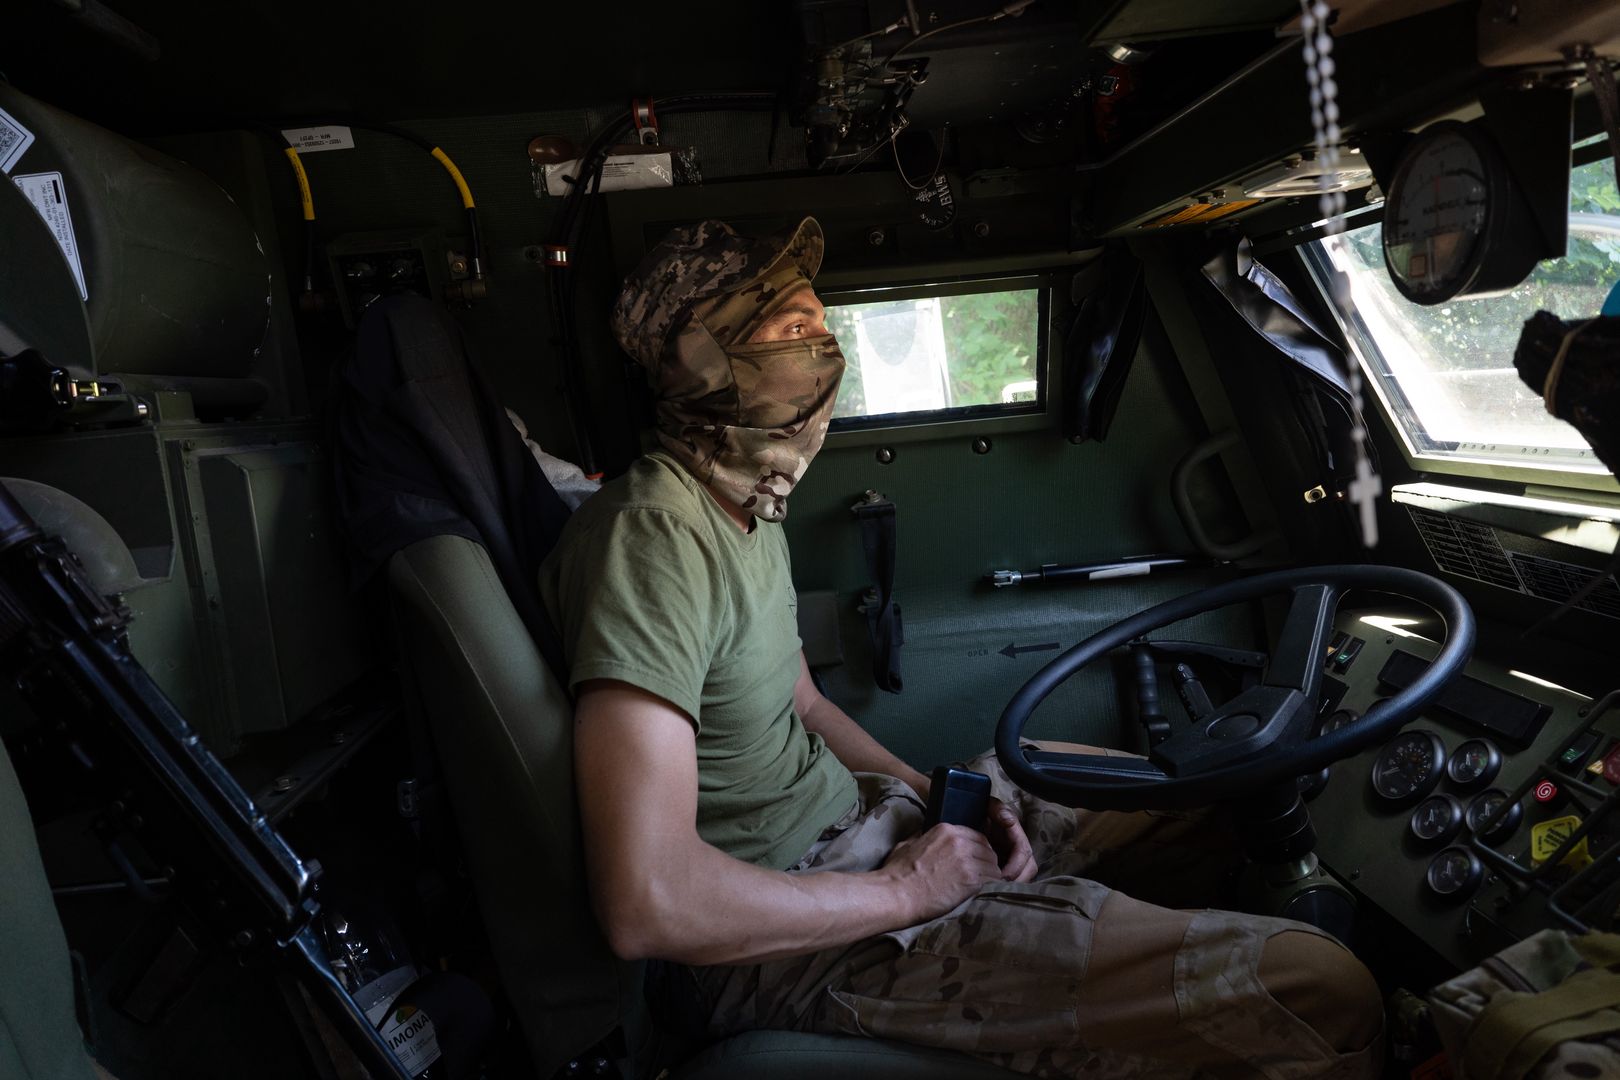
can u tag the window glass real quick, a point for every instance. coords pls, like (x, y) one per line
(962, 353)
(1446, 371)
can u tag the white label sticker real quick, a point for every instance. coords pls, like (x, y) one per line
(309, 140)
(620, 172)
(14, 141)
(49, 196)
(1122, 570)
(409, 1034)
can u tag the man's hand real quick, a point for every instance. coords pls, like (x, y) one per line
(1011, 845)
(941, 868)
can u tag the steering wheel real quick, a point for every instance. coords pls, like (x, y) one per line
(1260, 737)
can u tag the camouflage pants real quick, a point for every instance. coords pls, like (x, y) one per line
(1066, 976)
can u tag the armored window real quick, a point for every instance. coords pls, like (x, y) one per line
(932, 353)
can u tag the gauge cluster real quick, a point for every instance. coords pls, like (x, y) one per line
(1398, 822)
(1408, 769)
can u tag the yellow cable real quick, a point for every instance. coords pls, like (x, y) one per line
(455, 174)
(303, 184)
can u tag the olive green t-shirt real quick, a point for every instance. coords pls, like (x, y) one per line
(653, 585)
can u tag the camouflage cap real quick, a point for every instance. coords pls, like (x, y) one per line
(695, 262)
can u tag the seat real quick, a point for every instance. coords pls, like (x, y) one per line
(500, 726)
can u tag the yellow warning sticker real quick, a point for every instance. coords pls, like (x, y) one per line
(1547, 837)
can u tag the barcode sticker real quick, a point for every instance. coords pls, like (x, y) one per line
(49, 197)
(14, 141)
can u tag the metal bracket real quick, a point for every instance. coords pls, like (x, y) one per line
(646, 121)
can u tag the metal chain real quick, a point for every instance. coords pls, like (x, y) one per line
(1319, 69)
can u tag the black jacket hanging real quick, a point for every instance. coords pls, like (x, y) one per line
(423, 448)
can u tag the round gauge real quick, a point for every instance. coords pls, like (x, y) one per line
(1409, 765)
(1437, 819)
(1474, 764)
(1454, 874)
(1486, 804)
(1337, 719)
(1453, 221)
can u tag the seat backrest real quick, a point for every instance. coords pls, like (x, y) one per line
(502, 728)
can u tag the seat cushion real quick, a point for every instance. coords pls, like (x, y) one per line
(797, 1055)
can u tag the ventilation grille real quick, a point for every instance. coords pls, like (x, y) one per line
(1558, 581)
(1468, 549)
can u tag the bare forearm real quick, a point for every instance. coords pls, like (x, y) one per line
(708, 908)
(859, 752)
(659, 890)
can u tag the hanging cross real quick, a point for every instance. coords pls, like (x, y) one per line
(1364, 491)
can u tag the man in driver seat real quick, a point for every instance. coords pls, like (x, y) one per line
(740, 826)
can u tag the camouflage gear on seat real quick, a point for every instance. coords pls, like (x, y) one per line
(1031, 976)
(744, 419)
(1543, 1009)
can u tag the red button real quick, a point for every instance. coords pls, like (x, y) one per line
(1546, 791)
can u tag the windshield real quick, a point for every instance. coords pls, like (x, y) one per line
(1446, 372)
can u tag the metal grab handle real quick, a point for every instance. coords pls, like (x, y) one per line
(1181, 495)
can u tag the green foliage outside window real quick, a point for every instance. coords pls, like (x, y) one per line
(991, 341)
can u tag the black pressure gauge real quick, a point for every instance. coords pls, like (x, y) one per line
(1436, 820)
(1475, 764)
(1484, 808)
(1454, 874)
(1340, 718)
(1454, 221)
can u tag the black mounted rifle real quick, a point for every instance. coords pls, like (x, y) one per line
(67, 648)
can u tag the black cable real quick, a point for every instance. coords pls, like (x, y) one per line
(901, 169)
(574, 218)
(475, 241)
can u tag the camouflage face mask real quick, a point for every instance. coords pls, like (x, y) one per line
(747, 419)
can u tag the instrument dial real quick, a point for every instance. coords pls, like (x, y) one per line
(1455, 221)
(1338, 719)
(1454, 874)
(1409, 765)
(1484, 805)
(1434, 221)
(1475, 764)
(1437, 819)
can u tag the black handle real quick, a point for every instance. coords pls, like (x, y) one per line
(958, 797)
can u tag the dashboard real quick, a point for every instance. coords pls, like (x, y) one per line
(1479, 821)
